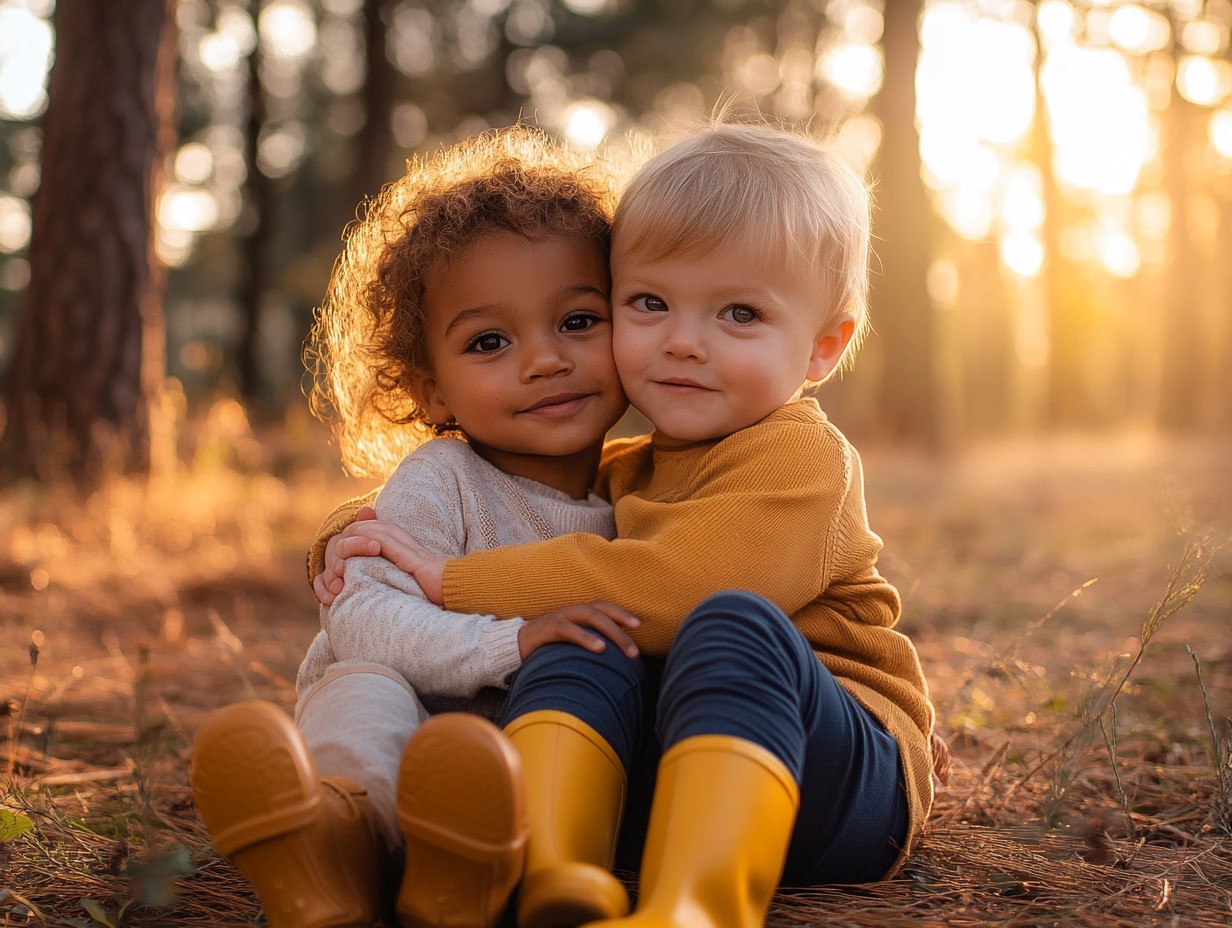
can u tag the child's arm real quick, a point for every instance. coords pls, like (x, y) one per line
(771, 511)
(343, 535)
(334, 523)
(362, 538)
(382, 616)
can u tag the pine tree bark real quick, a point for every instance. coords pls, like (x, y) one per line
(902, 310)
(89, 350)
(1182, 376)
(1064, 292)
(376, 140)
(255, 243)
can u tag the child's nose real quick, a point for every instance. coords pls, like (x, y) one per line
(683, 341)
(546, 359)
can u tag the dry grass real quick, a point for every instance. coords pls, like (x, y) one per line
(1092, 775)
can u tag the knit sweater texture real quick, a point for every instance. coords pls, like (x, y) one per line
(778, 509)
(452, 502)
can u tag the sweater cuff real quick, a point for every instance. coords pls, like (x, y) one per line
(500, 643)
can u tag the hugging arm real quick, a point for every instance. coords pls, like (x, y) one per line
(759, 519)
(381, 614)
(334, 523)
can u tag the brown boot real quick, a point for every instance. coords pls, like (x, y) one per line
(461, 810)
(309, 847)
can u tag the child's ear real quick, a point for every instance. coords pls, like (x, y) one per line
(427, 393)
(828, 348)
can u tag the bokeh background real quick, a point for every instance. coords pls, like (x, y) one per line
(1053, 179)
(1044, 410)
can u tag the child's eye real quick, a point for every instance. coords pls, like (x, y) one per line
(580, 322)
(487, 342)
(650, 303)
(739, 314)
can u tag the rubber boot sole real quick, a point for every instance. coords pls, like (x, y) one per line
(461, 810)
(568, 894)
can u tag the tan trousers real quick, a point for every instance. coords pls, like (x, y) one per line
(356, 720)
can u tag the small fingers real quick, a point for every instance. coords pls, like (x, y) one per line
(324, 595)
(598, 620)
(618, 614)
(573, 633)
(616, 635)
(357, 547)
(589, 642)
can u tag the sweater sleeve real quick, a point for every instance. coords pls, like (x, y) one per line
(757, 513)
(383, 616)
(335, 522)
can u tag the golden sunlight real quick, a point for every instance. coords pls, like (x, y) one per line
(856, 69)
(1100, 120)
(1203, 80)
(288, 29)
(976, 99)
(14, 224)
(1220, 132)
(587, 122)
(25, 57)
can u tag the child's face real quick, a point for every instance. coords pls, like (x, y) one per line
(520, 342)
(709, 344)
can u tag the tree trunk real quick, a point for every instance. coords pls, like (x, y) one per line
(1182, 380)
(903, 312)
(1223, 296)
(89, 352)
(1065, 293)
(376, 140)
(255, 244)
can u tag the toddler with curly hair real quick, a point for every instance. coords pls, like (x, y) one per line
(465, 344)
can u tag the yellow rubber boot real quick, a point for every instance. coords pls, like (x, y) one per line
(575, 794)
(309, 847)
(720, 824)
(461, 810)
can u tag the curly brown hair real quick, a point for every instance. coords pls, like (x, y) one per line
(367, 346)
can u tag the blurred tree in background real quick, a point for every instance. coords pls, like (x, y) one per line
(87, 356)
(1052, 178)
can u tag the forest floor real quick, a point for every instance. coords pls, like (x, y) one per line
(1070, 599)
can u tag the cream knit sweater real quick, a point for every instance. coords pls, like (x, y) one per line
(451, 501)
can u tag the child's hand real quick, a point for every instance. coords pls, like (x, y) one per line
(369, 536)
(355, 540)
(569, 624)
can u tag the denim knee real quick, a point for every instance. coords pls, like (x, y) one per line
(757, 631)
(739, 667)
(603, 689)
(562, 658)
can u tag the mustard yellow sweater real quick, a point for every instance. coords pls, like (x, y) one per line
(778, 509)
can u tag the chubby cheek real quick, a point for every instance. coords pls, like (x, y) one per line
(599, 361)
(627, 354)
(478, 394)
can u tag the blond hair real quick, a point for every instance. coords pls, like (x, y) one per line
(775, 191)
(367, 351)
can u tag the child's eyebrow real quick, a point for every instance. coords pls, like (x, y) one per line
(582, 290)
(467, 315)
(570, 290)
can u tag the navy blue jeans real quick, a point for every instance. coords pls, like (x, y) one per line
(738, 667)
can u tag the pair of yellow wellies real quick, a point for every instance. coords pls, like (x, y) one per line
(535, 808)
